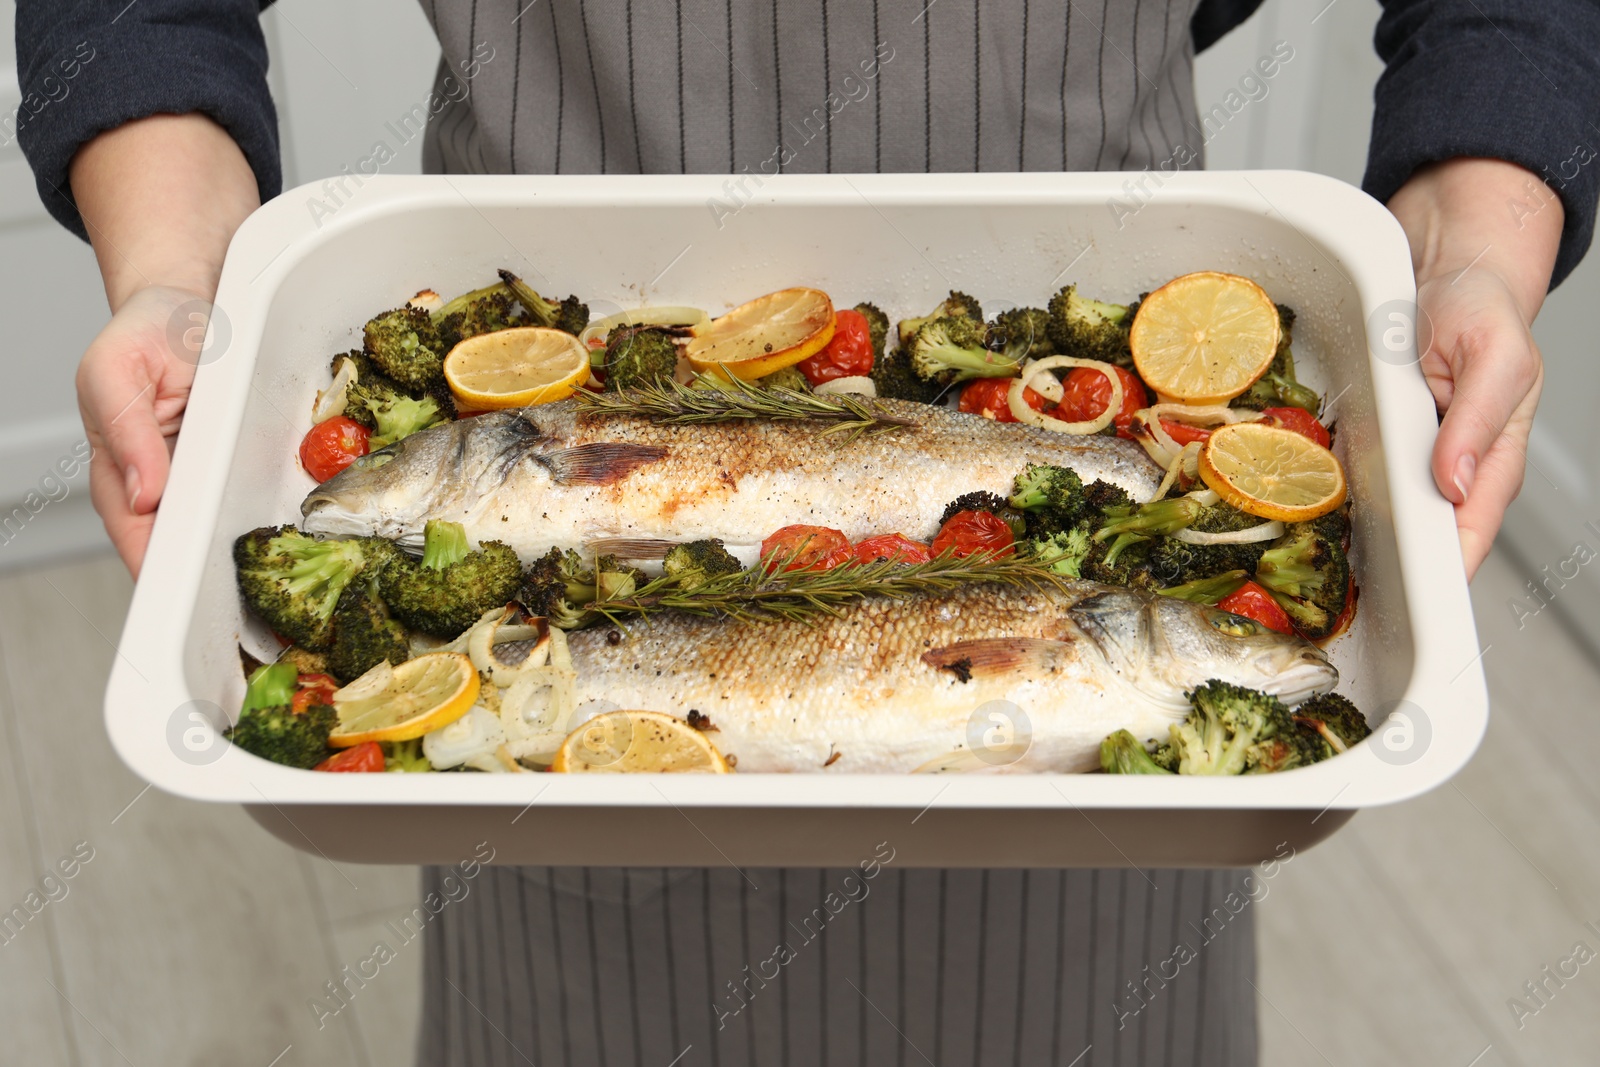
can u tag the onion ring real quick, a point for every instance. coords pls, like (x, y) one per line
(1023, 413)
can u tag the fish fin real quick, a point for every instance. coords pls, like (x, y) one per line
(630, 547)
(988, 656)
(599, 462)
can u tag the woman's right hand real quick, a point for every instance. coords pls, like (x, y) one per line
(133, 384)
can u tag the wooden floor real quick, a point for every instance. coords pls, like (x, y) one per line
(185, 935)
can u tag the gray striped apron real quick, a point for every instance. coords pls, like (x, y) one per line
(648, 968)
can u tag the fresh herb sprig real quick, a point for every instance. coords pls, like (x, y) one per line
(843, 414)
(766, 592)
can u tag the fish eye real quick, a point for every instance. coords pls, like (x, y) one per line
(1235, 625)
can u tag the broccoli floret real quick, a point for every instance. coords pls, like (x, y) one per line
(571, 314)
(1122, 753)
(787, 378)
(877, 328)
(1206, 590)
(451, 587)
(640, 356)
(293, 581)
(1177, 562)
(1226, 725)
(405, 756)
(952, 349)
(1050, 498)
(364, 635)
(1101, 497)
(1021, 333)
(691, 564)
(993, 503)
(1308, 574)
(1124, 564)
(894, 378)
(470, 314)
(957, 303)
(1089, 329)
(269, 728)
(560, 586)
(1278, 387)
(406, 346)
(389, 413)
(1335, 720)
(1066, 552)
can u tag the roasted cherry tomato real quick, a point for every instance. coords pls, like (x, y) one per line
(1300, 421)
(365, 757)
(314, 689)
(969, 532)
(848, 355)
(1086, 392)
(897, 547)
(806, 548)
(1254, 602)
(1184, 434)
(989, 397)
(333, 445)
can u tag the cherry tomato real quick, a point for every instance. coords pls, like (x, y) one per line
(1086, 392)
(365, 757)
(1300, 421)
(313, 689)
(969, 532)
(1254, 602)
(988, 397)
(1183, 433)
(333, 445)
(806, 548)
(848, 355)
(897, 547)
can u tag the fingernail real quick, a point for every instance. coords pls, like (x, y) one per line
(132, 480)
(1466, 467)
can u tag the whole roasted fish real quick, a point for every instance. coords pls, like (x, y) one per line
(556, 476)
(985, 677)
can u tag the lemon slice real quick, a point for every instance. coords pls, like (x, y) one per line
(516, 367)
(767, 334)
(1204, 338)
(1272, 472)
(399, 703)
(633, 742)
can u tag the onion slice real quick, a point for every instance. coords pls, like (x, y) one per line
(594, 335)
(1188, 456)
(1023, 413)
(857, 384)
(332, 400)
(1267, 531)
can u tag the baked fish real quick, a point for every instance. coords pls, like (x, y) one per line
(557, 476)
(982, 678)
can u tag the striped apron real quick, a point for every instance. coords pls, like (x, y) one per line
(673, 968)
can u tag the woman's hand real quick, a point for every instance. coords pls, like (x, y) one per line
(1484, 236)
(133, 384)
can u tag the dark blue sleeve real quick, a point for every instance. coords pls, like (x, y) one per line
(1504, 79)
(91, 65)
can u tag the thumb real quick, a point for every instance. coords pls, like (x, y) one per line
(1492, 373)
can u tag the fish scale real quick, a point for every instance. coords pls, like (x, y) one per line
(557, 476)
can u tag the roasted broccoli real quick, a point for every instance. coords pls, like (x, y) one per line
(378, 387)
(405, 756)
(1177, 562)
(1279, 387)
(1122, 753)
(641, 355)
(364, 635)
(1050, 498)
(470, 314)
(1308, 574)
(560, 586)
(895, 379)
(1066, 552)
(571, 314)
(877, 328)
(691, 564)
(952, 349)
(1230, 729)
(1335, 720)
(391, 414)
(1207, 590)
(293, 581)
(1021, 333)
(452, 585)
(406, 346)
(269, 727)
(1120, 564)
(787, 378)
(1089, 329)
(956, 303)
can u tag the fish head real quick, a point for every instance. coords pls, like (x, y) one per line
(1166, 646)
(394, 491)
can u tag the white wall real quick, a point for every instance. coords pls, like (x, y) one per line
(337, 82)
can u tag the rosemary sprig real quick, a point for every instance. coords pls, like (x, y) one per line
(849, 416)
(763, 593)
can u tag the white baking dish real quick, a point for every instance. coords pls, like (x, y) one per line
(299, 282)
